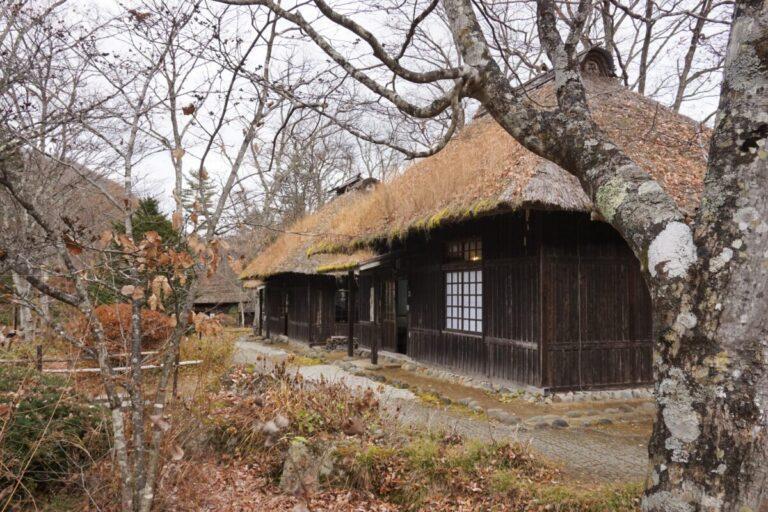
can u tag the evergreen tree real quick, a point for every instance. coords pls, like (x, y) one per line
(198, 196)
(148, 217)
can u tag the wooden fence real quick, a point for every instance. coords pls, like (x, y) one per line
(39, 362)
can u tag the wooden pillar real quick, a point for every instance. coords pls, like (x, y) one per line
(260, 298)
(378, 309)
(351, 313)
(310, 315)
(39, 362)
(266, 313)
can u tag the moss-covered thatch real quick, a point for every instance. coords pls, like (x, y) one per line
(291, 251)
(484, 170)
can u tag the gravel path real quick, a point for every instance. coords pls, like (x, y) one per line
(585, 454)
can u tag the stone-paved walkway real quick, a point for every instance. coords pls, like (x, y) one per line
(585, 454)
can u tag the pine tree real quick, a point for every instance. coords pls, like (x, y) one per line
(198, 196)
(148, 217)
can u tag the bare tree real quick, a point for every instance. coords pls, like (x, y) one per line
(709, 449)
(161, 86)
(647, 37)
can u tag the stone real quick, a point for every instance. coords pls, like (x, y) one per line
(305, 465)
(465, 401)
(508, 419)
(604, 421)
(560, 423)
(575, 414)
(624, 408)
(611, 410)
(493, 413)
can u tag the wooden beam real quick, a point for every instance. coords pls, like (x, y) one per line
(350, 313)
(119, 368)
(378, 309)
(266, 312)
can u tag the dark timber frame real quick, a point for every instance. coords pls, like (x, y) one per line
(563, 303)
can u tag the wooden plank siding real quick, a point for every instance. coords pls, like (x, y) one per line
(597, 311)
(309, 315)
(564, 305)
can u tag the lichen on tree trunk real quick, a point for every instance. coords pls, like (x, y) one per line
(709, 449)
(708, 278)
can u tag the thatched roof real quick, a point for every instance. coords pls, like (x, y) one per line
(289, 253)
(223, 287)
(484, 170)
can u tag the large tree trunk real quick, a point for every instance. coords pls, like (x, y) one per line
(709, 448)
(26, 320)
(709, 284)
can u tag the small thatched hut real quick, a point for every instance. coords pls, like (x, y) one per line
(484, 258)
(224, 294)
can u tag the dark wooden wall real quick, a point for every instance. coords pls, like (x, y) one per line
(596, 319)
(382, 326)
(564, 304)
(309, 315)
(508, 347)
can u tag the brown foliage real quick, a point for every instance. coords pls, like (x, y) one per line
(156, 327)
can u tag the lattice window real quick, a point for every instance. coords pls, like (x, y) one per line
(464, 301)
(470, 250)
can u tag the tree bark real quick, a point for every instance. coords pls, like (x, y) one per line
(26, 321)
(709, 449)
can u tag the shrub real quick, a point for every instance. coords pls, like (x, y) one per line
(48, 433)
(116, 320)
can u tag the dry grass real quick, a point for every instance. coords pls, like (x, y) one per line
(232, 463)
(289, 252)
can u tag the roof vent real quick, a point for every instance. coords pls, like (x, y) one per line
(598, 61)
(355, 183)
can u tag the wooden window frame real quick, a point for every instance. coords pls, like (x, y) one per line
(464, 251)
(463, 300)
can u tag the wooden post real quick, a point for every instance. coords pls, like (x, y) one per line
(39, 362)
(375, 341)
(266, 313)
(175, 373)
(311, 317)
(350, 313)
(260, 298)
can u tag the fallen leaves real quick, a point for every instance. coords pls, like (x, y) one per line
(177, 453)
